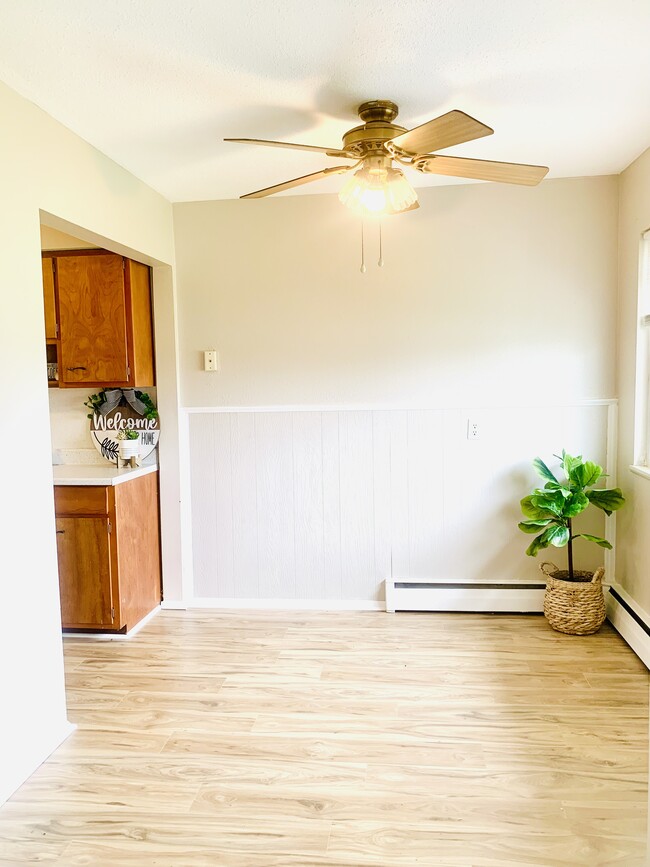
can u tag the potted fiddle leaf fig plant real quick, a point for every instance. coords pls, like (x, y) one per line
(574, 600)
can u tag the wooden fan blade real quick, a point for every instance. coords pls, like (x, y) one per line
(297, 182)
(482, 170)
(442, 132)
(332, 152)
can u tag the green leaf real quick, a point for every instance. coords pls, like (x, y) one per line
(575, 504)
(546, 538)
(607, 499)
(537, 544)
(533, 526)
(534, 512)
(556, 486)
(543, 470)
(587, 474)
(558, 536)
(570, 463)
(597, 539)
(551, 501)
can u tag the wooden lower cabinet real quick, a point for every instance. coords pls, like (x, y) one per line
(108, 544)
(83, 546)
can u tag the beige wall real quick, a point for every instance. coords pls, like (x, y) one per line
(633, 539)
(491, 297)
(489, 294)
(44, 167)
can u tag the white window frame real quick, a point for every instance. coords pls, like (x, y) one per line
(642, 390)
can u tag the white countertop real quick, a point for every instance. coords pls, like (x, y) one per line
(97, 474)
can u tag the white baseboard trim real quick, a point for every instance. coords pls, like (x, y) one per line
(23, 767)
(630, 621)
(138, 626)
(114, 636)
(403, 594)
(173, 605)
(288, 604)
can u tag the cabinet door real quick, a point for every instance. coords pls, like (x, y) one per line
(48, 298)
(92, 311)
(140, 324)
(84, 572)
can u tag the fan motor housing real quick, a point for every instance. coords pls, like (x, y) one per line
(362, 140)
(378, 127)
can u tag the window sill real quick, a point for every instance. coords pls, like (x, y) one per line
(644, 472)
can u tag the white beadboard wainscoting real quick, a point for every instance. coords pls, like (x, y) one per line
(316, 507)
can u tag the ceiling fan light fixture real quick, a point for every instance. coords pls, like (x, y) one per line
(377, 190)
(401, 195)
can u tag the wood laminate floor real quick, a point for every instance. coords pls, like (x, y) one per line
(342, 740)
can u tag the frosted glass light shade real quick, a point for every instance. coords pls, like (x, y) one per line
(376, 193)
(399, 193)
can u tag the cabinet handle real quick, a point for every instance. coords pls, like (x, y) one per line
(60, 531)
(76, 368)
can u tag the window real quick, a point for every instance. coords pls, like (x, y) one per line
(642, 397)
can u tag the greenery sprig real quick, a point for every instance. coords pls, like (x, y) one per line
(151, 412)
(96, 400)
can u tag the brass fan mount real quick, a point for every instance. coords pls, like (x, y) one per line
(378, 110)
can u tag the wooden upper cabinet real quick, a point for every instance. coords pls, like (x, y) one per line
(92, 309)
(105, 320)
(49, 299)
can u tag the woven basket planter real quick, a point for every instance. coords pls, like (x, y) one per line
(575, 607)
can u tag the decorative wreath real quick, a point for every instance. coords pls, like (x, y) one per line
(105, 401)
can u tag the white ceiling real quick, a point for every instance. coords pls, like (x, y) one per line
(157, 85)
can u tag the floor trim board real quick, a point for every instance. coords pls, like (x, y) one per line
(115, 636)
(288, 604)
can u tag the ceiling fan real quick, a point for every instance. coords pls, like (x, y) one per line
(377, 187)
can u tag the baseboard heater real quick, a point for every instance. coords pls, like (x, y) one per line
(404, 594)
(630, 621)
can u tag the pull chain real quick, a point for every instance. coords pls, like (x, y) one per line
(380, 261)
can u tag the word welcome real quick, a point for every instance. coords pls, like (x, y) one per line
(117, 422)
